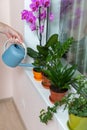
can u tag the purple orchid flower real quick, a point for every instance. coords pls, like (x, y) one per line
(46, 3)
(24, 14)
(43, 15)
(37, 15)
(33, 27)
(41, 28)
(51, 16)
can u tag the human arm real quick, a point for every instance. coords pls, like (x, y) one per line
(10, 32)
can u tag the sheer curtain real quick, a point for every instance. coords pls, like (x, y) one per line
(73, 22)
(70, 20)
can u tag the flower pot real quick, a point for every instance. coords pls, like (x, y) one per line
(56, 95)
(37, 74)
(45, 81)
(77, 123)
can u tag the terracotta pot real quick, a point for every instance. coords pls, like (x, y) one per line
(56, 95)
(45, 81)
(37, 75)
(77, 123)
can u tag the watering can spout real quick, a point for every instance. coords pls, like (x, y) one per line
(26, 65)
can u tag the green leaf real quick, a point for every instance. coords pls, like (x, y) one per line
(52, 40)
(32, 53)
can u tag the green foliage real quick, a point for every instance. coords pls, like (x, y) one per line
(81, 81)
(52, 40)
(32, 53)
(40, 56)
(78, 106)
(45, 116)
(74, 102)
(60, 76)
(53, 49)
(57, 50)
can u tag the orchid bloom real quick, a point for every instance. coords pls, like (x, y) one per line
(33, 27)
(51, 16)
(41, 29)
(46, 3)
(43, 15)
(37, 15)
(24, 14)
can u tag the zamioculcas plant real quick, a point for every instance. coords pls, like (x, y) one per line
(40, 55)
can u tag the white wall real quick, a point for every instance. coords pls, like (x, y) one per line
(5, 72)
(9, 13)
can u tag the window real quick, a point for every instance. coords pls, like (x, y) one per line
(70, 20)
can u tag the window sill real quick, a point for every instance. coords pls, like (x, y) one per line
(61, 116)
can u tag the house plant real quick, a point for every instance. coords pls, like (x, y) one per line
(77, 109)
(55, 52)
(77, 106)
(61, 77)
(51, 51)
(40, 55)
(76, 103)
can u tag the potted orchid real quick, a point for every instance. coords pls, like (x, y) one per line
(37, 15)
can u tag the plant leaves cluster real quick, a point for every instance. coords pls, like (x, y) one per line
(53, 49)
(60, 76)
(41, 54)
(76, 103)
(45, 116)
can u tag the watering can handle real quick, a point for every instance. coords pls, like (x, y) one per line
(21, 44)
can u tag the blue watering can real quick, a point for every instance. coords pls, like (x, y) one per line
(14, 54)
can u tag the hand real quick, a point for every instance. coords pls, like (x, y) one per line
(10, 32)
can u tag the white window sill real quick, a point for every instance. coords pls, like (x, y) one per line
(61, 116)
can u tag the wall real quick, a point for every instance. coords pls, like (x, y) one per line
(10, 14)
(5, 72)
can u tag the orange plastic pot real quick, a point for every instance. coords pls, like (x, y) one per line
(37, 75)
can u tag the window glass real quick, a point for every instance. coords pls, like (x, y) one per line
(70, 19)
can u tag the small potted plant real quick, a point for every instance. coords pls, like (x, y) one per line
(77, 106)
(77, 109)
(61, 77)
